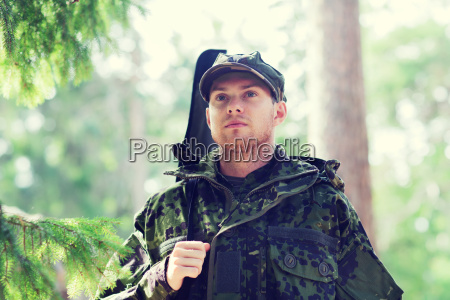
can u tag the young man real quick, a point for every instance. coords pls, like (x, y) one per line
(264, 226)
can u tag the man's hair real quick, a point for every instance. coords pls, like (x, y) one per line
(274, 98)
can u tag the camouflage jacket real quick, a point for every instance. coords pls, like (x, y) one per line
(289, 234)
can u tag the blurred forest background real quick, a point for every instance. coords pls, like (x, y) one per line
(69, 157)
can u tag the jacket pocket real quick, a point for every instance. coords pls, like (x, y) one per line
(306, 254)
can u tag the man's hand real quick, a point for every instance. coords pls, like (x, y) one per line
(186, 260)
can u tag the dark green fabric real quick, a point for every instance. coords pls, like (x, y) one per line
(297, 234)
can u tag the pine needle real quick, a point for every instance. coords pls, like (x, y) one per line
(58, 35)
(84, 246)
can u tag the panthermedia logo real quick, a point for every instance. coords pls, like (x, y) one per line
(241, 150)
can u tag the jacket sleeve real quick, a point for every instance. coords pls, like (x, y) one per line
(361, 273)
(143, 274)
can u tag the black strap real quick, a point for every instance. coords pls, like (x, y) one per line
(191, 187)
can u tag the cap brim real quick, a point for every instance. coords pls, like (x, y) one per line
(216, 71)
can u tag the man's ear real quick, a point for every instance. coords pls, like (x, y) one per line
(280, 113)
(208, 121)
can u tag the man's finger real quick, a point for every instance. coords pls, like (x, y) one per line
(192, 272)
(195, 245)
(181, 252)
(188, 262)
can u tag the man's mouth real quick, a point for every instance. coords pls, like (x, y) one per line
(235, 124)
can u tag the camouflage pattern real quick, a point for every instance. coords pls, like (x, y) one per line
(289, 232)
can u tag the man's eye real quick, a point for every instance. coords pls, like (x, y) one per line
(221, 98)
(251, 94)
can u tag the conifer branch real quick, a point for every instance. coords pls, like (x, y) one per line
(49, 43)
(6, 23)
(6, 265)
(83, 246)
(24, 245)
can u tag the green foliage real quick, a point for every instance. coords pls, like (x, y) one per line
(49, 43)
(408, 88)
(30, 248)
(78, 155)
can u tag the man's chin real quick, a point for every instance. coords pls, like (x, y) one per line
(240, 141)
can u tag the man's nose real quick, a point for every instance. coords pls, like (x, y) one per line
(235, 106)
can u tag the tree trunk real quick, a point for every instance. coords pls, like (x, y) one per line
(335, 89)
(137, 169)
(137, 130)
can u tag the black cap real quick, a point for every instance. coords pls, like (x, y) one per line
(251, 63)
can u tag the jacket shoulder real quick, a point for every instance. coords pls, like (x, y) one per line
(328, 171)
(171, 198)
(330, 168)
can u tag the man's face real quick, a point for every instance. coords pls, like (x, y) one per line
(241, 107)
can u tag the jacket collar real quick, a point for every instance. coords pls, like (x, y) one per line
(282, 166)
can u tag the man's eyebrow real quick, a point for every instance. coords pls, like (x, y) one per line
(218, 89)
(250, 86)
(243, 87)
